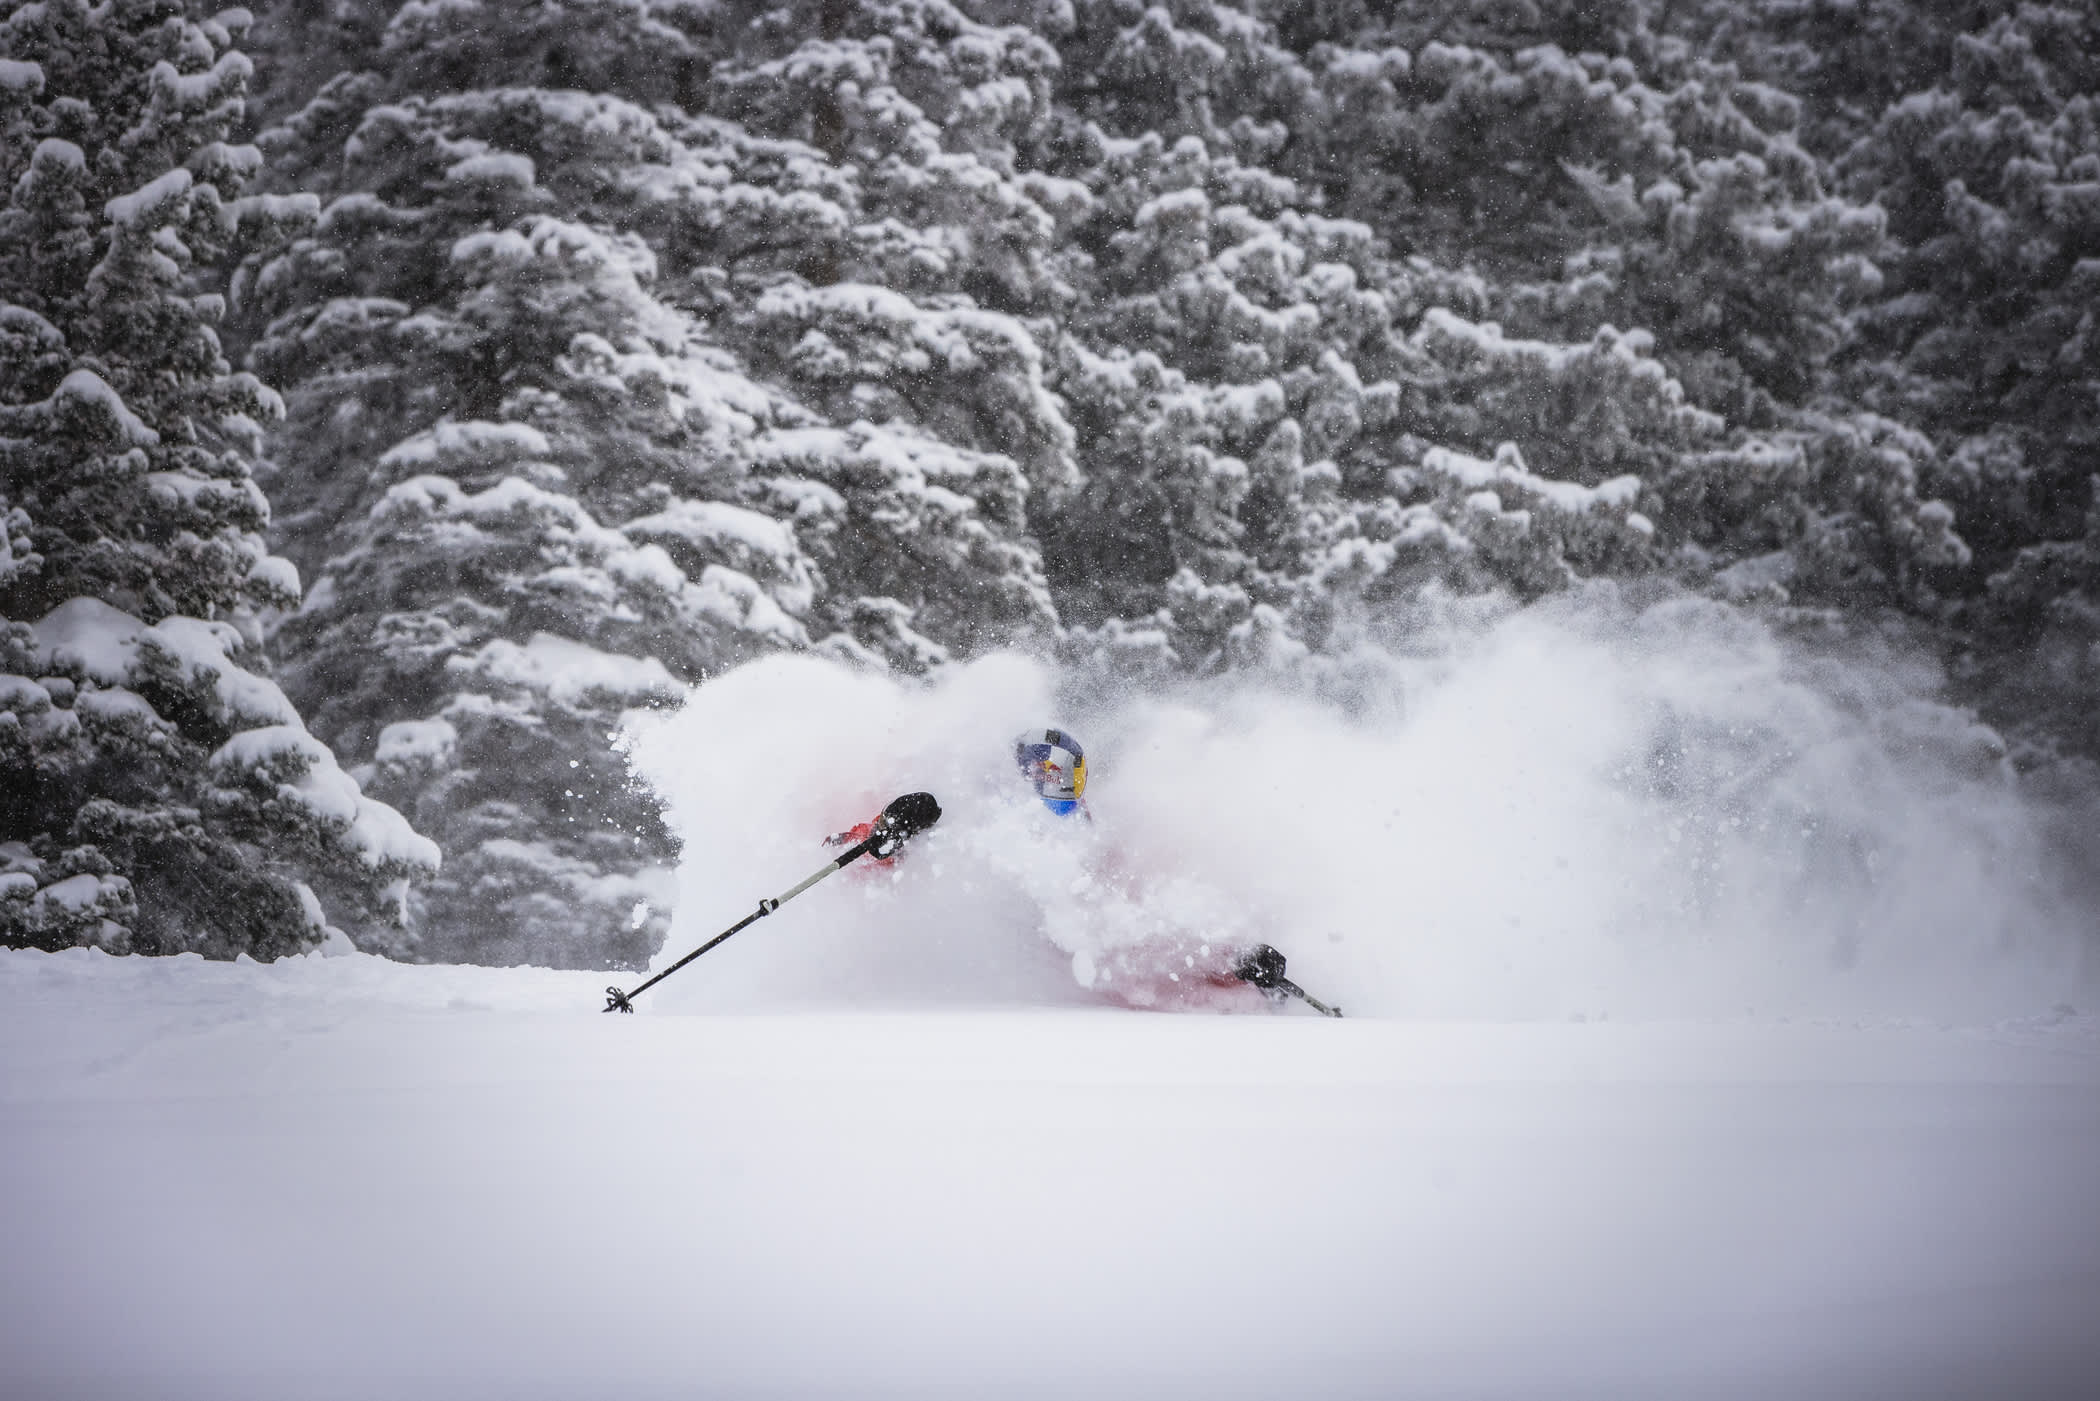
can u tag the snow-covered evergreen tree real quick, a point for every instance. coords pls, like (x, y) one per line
(1273, 391)
(1968, 123)
(637, 337)
(162, 794)
(591, 396)
(1986, 335)
(478, 382)
(914, 328)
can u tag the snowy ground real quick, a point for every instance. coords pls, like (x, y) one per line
(346, 1178)
(1711, 1036)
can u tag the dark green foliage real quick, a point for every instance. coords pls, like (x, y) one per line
(1975, 124)
(592, 395)
(635, 338)
(161, 795)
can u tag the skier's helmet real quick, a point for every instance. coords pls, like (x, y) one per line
(1055, 766)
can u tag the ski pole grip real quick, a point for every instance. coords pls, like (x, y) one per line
(902, 820)
(908, 816)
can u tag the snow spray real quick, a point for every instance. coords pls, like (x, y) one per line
(1578, 810)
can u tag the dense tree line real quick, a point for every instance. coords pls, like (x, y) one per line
(498, 366)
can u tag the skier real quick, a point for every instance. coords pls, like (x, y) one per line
(1185, 971)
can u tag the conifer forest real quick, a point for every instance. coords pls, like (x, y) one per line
(393, 397)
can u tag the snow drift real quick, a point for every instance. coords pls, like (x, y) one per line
(1583, 809)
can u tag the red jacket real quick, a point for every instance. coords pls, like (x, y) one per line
(860, 832)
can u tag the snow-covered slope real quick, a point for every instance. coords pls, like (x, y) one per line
(1711, 1035)
(346, 1178)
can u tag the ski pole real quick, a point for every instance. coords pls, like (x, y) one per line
(902, 820)
(1263, 967)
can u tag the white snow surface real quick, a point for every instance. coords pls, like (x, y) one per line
(1718, 1028)
(454, 1182)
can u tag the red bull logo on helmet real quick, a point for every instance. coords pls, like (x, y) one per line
(1054, 765)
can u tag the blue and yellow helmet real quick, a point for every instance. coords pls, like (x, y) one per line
(1055, 766)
